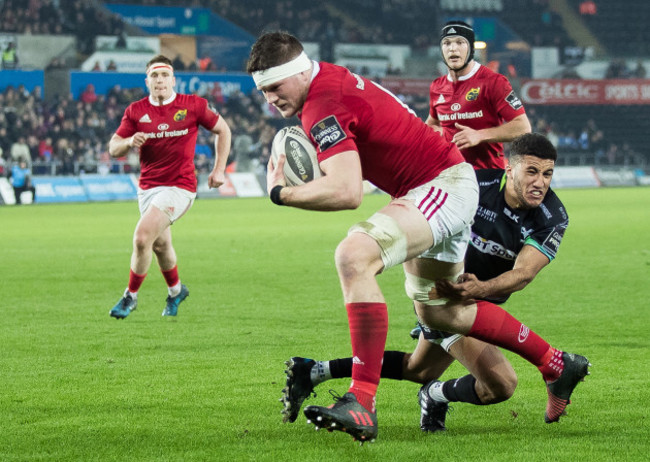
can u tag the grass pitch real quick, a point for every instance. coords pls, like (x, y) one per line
(76, 384)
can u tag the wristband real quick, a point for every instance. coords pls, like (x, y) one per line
(275, 195)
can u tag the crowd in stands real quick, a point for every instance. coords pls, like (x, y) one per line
(68, 136)
(55, 17)
(618, 26)
(405, 22)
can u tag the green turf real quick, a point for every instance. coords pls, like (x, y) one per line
(76, 384)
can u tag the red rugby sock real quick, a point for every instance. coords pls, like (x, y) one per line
(496, 326)
(368, 329)
(135, 281)
(171, 276)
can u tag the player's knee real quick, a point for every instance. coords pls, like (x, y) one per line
(160, 247)
(141, 241)
(354, 256)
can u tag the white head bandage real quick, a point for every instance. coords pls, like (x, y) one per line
(157, 67)
(274, 74)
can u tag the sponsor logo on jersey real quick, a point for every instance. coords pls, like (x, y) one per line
(523, 333)
(489, 182)
(180, 115)
(327, 132)
(456, 107)
(552, 242)
(513, 100)
(486, 214)
(547, 212)
(513, 216)
(489, 247)
(441, 99)
(461, 115)
(163, 127)
(167, 134)
(145, 119)
(472, 94)
(525, 232)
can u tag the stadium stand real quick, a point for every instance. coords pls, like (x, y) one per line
(67, 136)
(616, 26)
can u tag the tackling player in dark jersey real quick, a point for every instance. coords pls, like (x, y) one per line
(517, 230)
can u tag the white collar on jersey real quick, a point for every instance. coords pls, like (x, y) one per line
(167, 101)
(471, 74)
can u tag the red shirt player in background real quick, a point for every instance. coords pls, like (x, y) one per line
(361, 131)
(163, 128)
(474, 107)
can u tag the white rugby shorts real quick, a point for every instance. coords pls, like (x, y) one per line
(449, 203)
(173, 201)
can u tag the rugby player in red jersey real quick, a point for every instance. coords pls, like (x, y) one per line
(361, 131)
(163, 128)
(474, 107)
(517, 230)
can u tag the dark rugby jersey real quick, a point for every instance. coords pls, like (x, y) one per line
(499, 232)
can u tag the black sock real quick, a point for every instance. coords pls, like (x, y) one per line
(393, 365)
(462, 389)
(340, 368)
(390, 369)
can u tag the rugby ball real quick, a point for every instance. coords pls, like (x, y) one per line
(301, 165)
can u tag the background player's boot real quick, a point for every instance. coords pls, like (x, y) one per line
(298, 386)
(415, 332)
(171, 309)
(122, 308)
(432, 413)
(346, 415)
(576, 367)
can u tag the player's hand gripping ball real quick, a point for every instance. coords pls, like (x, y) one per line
(301, 165)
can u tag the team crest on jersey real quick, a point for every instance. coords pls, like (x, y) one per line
(180, 115)
(472, 94)
(327, 132)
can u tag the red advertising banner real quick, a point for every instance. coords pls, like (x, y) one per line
(552, 92)
(559, 92)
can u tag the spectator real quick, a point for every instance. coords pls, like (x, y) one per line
(617, 69)
(21, 180)
(206, 64)
(178, 63)
(10, 57)
(20, 150)
(640, 70)
(89, 95)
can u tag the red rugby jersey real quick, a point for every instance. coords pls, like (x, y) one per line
(481, 99)
(398, 151)
(167, 157)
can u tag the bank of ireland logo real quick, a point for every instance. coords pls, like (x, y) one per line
(180, 115)
(455, 107)
(523, 333)
(472, 95)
